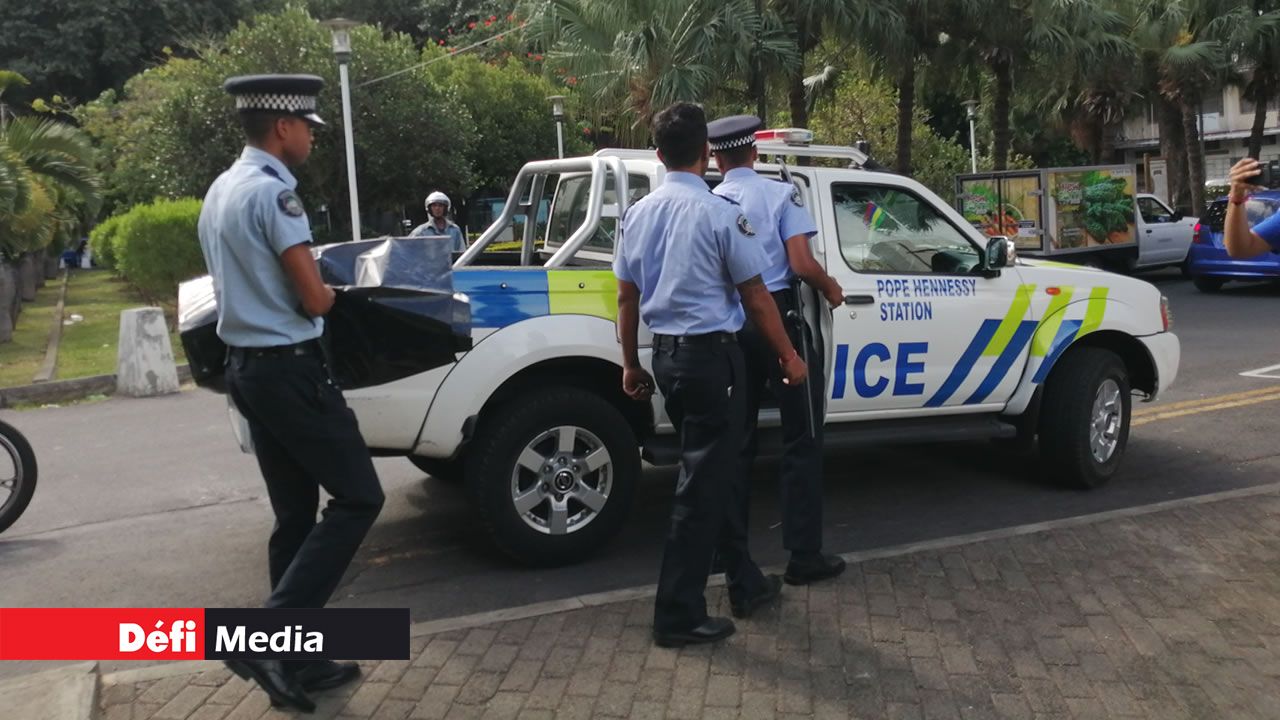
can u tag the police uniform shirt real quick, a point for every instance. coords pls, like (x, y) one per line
(776, 210)
(251, 215)
(451, 231)
(686, 250)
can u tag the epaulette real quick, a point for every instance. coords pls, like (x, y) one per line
(726, 199)
(272, 172)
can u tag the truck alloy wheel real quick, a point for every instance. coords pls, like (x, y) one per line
(562, 480)
(552, 472)
(1084, 417)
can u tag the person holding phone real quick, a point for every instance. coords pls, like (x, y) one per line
(1241, 240)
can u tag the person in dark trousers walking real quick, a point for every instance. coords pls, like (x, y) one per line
(783, 226)
(685, 257)
(271, 302)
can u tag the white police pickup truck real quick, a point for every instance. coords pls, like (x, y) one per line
(944, 335)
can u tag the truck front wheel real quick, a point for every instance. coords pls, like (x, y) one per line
(1084, 418)
(553, 473)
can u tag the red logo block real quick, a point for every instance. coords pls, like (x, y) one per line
(101, 633)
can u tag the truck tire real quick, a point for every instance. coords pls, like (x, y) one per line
(553, 474)
(1207, 284)
(448, 471)
(1084, 419)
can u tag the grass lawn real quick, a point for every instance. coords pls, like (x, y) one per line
(88, 347)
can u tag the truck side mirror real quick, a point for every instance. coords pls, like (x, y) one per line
(1177, 216)
(1000, 253)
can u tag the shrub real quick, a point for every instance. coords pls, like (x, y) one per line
(102, 241)
(158, 247)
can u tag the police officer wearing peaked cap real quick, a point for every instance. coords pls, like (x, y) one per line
(783, 226)
(684, 258)
(271, 305)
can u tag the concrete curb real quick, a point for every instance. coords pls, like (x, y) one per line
(552, 607)
(58, 391)
(66, 693)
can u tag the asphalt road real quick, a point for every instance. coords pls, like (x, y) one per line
(148, 503)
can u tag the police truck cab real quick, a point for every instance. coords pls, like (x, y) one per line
(944, 335)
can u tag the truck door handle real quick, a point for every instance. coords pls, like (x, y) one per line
(859, 300)
(1148, 231)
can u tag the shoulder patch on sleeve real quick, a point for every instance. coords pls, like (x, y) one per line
(797, 198)
(290, 204)
(745, 227)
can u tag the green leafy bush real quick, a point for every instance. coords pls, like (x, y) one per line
(102, 241)
(158, 247)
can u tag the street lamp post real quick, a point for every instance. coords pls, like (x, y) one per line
(971, 112)
(557, 112)
(341, 29)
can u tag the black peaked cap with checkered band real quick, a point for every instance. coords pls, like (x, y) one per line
(734, 131)
(287, 94)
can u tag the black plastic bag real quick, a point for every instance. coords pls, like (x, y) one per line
(395, 315)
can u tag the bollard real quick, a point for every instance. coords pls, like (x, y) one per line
(145, 366)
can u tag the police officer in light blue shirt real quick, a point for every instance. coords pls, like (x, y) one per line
(688, 265)
(783, 226)
(271, 302)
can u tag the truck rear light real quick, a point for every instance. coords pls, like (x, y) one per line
(1196, 237)
(1166, 313)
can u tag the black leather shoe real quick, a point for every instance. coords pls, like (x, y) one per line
(325, 674)
(772, 589)
(270, 676)
(812, 568)
(711, 630)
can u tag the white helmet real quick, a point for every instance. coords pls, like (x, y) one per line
(437, 197)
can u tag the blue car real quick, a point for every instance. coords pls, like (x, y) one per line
(1208, 262)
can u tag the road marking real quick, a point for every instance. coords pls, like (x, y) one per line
(1211, 400)
(1270, 373)
(1272, 397)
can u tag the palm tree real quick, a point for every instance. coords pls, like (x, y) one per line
(1177, 39)
(47, 171)
(1010, 37)
(1251, 33)
(645, 54)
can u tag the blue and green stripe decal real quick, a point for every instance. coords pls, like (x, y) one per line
(1006, 339)
(502, 297)
(1056, 334)
(1002, 339)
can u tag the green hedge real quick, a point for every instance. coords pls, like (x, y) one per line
(157, 246)
(102, 241)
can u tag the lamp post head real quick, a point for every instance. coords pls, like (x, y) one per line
(557, 106)
(971, 109)
(341, 30)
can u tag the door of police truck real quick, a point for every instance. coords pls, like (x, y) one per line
(923, 329)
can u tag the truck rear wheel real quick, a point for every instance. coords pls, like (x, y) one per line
(1084, 419)
(553, 474)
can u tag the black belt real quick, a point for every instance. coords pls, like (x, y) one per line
(708, 339)
(309, 348)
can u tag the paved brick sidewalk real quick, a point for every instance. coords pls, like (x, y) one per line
(1174, 614)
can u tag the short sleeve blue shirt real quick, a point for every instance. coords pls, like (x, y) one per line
(1269, 230)
(776, 210)
(686, 250)
(450, 230)
(250, 216)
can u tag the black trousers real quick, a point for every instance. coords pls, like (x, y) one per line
(802, 455)
(701, 384)
(305, 439)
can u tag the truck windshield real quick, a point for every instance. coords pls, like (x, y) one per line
(570, 210)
